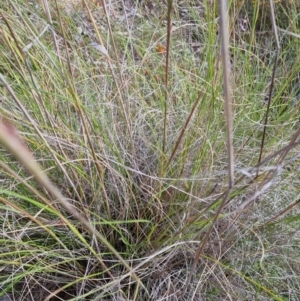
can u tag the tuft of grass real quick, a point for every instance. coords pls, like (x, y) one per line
(116, 182)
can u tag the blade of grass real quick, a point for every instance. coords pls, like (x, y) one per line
(272, 11)
(169, 28)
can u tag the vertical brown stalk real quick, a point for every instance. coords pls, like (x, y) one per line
(272, 11)
(224, 30)
(169, 27)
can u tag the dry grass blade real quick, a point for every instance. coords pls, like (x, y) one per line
(169, 28)
(181, 134)
(285, 210)
(224, 28)
(272, 80)
(292, 34)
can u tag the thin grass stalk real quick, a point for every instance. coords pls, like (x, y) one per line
(292, 34)
(291, 144)
(282, 212)
(163, 163)
(184, 127)
(169, 27)
(224, 28)
(272, 11)
(282, 152)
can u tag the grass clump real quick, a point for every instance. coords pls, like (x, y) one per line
(117, 162)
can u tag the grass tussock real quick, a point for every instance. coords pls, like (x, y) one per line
(116, 183)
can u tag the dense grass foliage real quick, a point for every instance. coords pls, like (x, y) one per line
(114, 151)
